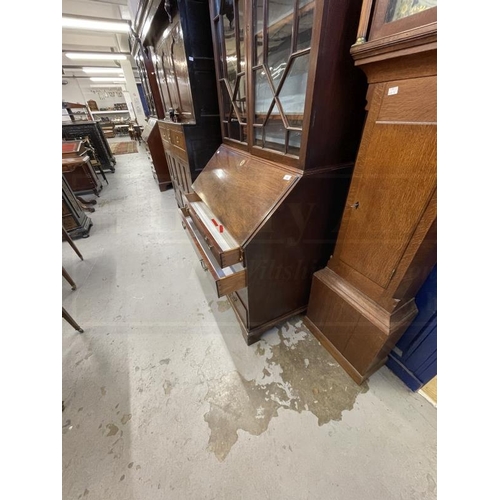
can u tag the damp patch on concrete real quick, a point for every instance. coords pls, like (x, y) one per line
(223, 305)
(285, 381)
(167, 387)
(126, 418)
(112, 430)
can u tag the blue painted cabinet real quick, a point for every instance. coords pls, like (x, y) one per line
(414, 359)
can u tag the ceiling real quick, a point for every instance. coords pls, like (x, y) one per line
(95, 41)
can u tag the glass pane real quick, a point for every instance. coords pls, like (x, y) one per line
(241, 21)
(306, 15)
(230, 41)
(234, 129)
(275, 134)
(219, 55)
(226, 101)
(244, 137)
(240, 99)
(293, 92)
(280, 27)
(258, 136)
(294, 142)
(403, 8)
(216, 4)
(278, 11)
(258, 27)
(263, 95)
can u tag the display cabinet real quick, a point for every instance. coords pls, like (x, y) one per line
(363, 300)
(177, 47)
(263, 214)
(152, 139)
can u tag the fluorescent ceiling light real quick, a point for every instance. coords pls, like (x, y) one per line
(103, 70)
(113, 79)
(95, 24)
(95, 56)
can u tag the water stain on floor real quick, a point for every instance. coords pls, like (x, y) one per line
(112, 430)
(223, 305)
(321, 386)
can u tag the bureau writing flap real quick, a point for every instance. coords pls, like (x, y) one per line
(242, 190)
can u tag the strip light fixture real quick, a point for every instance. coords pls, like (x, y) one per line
(103, 70)
(96, 24)
(96, 56)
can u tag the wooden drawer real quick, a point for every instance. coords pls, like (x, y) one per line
(238, 305)
(173, 140)
(228, 279)
(223, 246)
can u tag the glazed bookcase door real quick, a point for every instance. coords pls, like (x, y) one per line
(228, 17)
(281, 42)
(263, 77)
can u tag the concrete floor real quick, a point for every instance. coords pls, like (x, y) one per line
(164, 400)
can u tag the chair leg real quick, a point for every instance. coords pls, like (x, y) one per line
(67, 237)
(72, 322)
(67, 277)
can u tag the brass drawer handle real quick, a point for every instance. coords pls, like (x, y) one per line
(203, 265)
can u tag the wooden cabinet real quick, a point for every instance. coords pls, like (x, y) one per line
(363, 300)
(260, 230)
(177, 48)
(156, 154)
(264, 213)
(175, 149)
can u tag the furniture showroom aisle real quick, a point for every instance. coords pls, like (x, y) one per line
(164, 399)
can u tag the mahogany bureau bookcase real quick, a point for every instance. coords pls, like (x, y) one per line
(363, 300)
(263, 215)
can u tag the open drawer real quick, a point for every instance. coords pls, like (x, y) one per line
(227, 279)
(221, 244)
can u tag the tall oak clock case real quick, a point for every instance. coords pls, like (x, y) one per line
(363, 300)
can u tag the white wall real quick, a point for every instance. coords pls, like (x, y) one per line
(80, 92)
